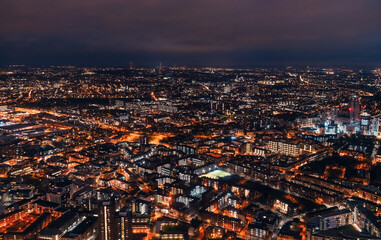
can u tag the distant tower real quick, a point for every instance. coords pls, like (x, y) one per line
(354, 109)
(131, 66)
(160, 67)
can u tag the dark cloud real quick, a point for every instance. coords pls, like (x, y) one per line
(198, 32)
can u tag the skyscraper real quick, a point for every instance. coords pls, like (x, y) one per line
(354, 109)
(106, 218)
(124, 223)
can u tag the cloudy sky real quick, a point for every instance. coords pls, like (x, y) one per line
(191, 32)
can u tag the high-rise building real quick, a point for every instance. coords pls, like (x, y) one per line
(365, 123)
(376, 126)
(107, 223)
(124, 223)
(354, 109)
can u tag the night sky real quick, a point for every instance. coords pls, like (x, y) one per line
(193, 33)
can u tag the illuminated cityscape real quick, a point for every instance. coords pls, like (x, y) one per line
(190, 120)
(190, 153)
